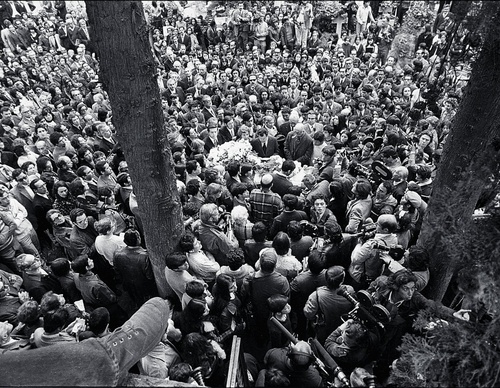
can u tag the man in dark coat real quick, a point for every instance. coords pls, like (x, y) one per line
(265, 146)
(24, 195)
(299, 145)
(42, 203)
(257, 289)
(134, 267)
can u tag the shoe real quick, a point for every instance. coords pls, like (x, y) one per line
(140, 334)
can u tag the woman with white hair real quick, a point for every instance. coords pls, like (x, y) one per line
(242, 227)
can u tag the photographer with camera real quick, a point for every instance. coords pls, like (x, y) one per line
(353, 344)
(367, 259)
(325, 306)
(358, 210)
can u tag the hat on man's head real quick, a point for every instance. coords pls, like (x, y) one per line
(268, 256)
(413, 198)
(267, 179)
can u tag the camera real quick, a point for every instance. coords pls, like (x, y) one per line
(365, 310)
(396, 252)
(311, 229)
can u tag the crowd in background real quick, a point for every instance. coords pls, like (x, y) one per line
(366, 133)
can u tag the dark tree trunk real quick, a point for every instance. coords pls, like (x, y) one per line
(470, 156)
(129, 75)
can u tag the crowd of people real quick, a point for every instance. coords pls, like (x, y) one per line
(365, 133)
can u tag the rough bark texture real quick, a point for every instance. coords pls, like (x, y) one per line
(128, 73)
(470, 155)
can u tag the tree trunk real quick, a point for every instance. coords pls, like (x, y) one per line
(470, 156)
(128, 72)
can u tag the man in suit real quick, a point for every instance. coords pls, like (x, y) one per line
(208, 110)
(172, 90)
(227, 130)
(299, 145)
(24, 195)
(281, 183)
(265, 146)
(186, 81)
(213, 139)
(184, 39)
(199, 88)
(42, 203)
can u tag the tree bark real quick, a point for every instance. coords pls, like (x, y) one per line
(470, 156)
(128, 73)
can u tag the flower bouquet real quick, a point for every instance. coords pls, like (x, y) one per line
(233, 150)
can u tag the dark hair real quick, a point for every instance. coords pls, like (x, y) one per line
(424, 171)
(132, 238)
(418, 258)
(33, 182)
(99, 320)
(192, 187)
(290, 201)
(238, 188)
(79, 265)
(235, 258)
(281, 243)
(363, 188)
(195, 288)
(186, 242)
(55, 320)
(316, 262)
(180, 372)
(76, 187)
(190, 319)
(197, 351)
(334, 276)
(400, 278)
(388, 186)
(28, 312)
(74, 213)
(233, 168)
(211, 175)
(41, 163)
(277, 302)
(175, 260)
(275, 378)
(222, 290)
(191, 165)
(100, 166)
(295, 230)
(49, 303)
(60, 266)
(259, 231)
(26, 164)
(55, 137)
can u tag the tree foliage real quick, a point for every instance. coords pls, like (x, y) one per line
(460, 354)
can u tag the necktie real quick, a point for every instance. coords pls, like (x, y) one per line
(264, 148)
